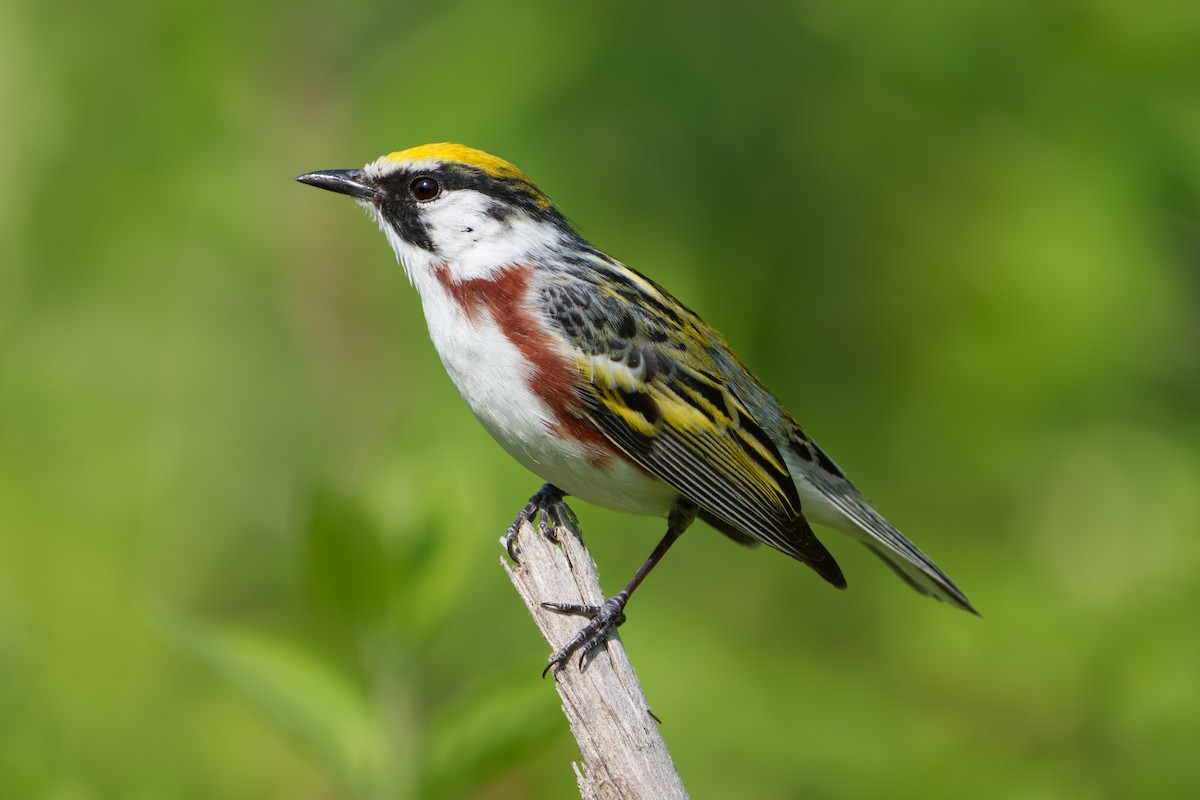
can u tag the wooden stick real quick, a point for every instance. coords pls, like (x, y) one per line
(624, 755)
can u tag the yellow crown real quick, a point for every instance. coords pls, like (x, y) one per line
(449, 153)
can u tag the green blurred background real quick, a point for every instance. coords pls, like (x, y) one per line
(248, 531)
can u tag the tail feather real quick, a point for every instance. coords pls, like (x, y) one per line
(904, 557)
(828, 498)
(943, 589)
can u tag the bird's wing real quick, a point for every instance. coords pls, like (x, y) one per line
(651, 384)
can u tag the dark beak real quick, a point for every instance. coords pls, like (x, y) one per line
(342, 181)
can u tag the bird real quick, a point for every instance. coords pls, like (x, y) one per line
(596, 379)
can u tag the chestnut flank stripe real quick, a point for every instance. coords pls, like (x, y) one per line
(506, 298)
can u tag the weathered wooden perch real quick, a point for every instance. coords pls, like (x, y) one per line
(624, 755)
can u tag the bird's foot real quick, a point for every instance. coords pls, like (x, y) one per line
(604, 618)
(548, 506)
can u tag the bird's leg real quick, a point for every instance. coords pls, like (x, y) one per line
(551, 512)
(611, 613)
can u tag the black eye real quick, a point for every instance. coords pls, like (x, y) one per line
(424, 188)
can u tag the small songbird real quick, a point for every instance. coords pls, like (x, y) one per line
(597, 380)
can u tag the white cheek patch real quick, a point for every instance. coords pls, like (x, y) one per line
(472, 236)
(458, 221)
(476, 241)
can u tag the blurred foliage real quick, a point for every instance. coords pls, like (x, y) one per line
(248, 532)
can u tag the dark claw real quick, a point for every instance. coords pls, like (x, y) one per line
(573, 608)
(545, 528)
(510, 538)
(548, 505)
(510, 544)
(603, 619)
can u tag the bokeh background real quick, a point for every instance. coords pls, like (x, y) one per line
(248, 531)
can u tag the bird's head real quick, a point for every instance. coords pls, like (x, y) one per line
(451, 206)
